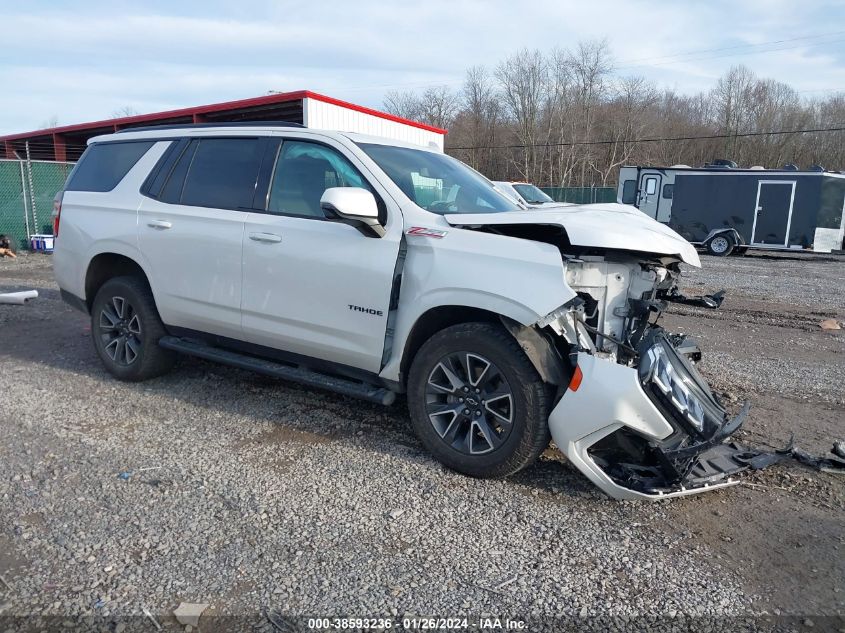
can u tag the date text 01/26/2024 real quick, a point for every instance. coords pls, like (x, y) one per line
(416, 624)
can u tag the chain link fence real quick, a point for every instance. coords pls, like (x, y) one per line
(27, 189)
(581, 195)
(13, 202)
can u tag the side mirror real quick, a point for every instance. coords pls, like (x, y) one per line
(355, 206)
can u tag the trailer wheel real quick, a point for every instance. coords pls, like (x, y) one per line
(720, 245)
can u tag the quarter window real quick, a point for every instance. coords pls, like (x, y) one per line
(303, 172)
(103, 165)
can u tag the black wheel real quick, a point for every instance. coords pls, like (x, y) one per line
(126, 329)
(720, 245)
(476, 401)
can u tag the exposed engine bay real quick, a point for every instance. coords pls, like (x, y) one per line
(617, 297)
(618, 306)
(639, 422)
(634, 415)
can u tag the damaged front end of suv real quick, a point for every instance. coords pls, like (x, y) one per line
(636, 417)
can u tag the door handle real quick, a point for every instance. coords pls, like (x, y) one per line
(159, 224)
(272, 238)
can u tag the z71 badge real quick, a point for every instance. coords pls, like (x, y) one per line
(426, 232)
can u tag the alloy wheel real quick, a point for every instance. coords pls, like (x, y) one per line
(120, 331)
(469, 403)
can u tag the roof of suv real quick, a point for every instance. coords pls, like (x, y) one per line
(208, 129)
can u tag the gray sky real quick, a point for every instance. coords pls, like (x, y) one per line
(83, 61)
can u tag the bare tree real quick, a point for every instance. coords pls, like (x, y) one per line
(591, 66)
(524, 78)
(563, 128)
(399, 103)
(564, 119)
(624, 119)
(438, 106)
(53, 121)
(480, 115)
(125, 111)
(827, 149)
(731, 98)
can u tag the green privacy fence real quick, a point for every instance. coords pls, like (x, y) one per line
(26, 196)
(581, 195)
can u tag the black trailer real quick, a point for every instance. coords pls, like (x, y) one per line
(726, 209)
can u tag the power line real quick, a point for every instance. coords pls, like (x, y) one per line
(706, 57)
(737, 46)
(821, 90)
(657, 140)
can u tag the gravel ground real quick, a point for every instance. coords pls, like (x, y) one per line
(809, 280)
(257, 496)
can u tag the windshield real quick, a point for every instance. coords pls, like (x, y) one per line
(436, 182)
(532, 194)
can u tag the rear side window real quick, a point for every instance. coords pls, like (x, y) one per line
(668, 191)
(223, 173)
(104, 165)
(215, 172)
(629, 192)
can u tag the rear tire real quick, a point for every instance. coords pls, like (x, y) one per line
(476, 401)
(721, 245)
(126, 329)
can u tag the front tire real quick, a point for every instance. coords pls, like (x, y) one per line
(126, 329)
(476, 401)
(720, 245)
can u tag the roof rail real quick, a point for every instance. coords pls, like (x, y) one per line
(180, 126)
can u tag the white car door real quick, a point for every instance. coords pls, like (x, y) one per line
(191, 232)
(313, 286)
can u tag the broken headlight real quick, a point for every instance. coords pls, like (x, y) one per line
(680, 391)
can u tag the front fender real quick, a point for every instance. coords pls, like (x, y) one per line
(520, 279)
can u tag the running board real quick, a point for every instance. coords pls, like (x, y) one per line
(300, 375)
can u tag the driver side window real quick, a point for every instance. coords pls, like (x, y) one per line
(303, 172)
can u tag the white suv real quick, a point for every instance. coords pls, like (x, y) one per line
(372, 268)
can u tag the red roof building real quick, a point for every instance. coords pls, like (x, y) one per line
(67, 142)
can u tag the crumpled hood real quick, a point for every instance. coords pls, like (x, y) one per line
(611, 225)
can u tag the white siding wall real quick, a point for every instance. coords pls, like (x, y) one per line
(328, 116)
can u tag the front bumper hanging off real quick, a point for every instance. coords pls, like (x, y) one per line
(648, 432)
